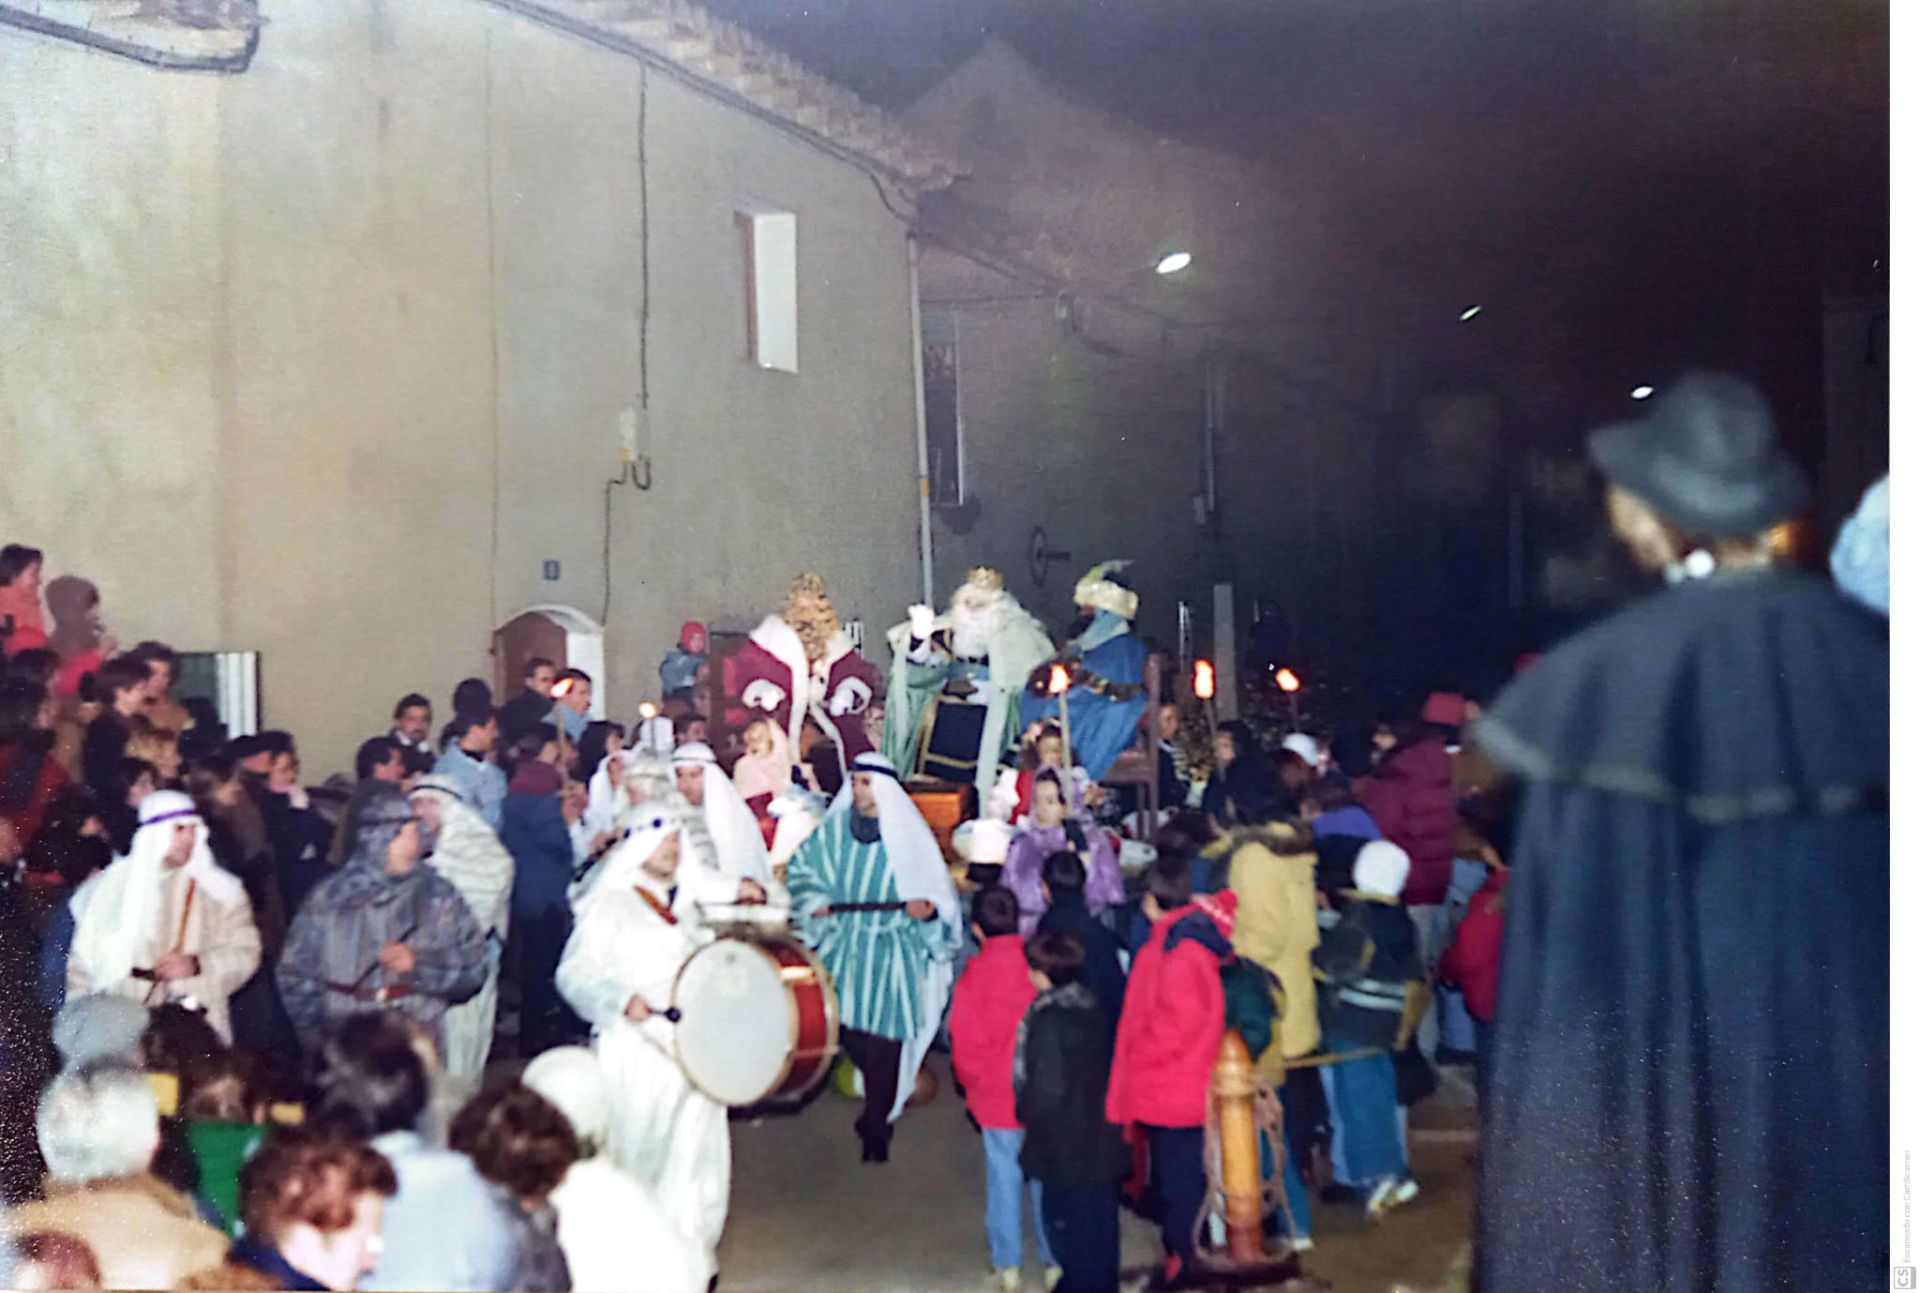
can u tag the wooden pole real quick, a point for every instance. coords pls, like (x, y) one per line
(180, 936)
(1060, 682)
(1234, 1085)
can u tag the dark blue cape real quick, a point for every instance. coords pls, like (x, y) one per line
(1102, 727)
(1689, 1082)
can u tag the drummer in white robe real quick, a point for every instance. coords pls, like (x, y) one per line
(636, 923)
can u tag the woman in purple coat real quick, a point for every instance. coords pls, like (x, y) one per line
(1054, 829)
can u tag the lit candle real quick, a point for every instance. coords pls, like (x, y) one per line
(1290, 684)
(1058, 681)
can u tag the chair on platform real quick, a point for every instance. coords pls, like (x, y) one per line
(1138, 765)
(726, 719)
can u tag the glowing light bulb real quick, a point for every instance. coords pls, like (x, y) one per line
(1642, 392)
(1173, 262)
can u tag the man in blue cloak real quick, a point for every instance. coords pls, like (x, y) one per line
(1107, 665)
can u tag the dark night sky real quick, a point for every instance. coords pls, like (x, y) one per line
(1628, 186)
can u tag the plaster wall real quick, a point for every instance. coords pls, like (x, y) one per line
(326, 360)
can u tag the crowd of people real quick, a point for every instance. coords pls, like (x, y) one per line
(418, 1030)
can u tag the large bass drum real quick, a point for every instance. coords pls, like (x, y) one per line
(759, 1020)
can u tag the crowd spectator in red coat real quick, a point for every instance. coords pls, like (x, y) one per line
(23, 622)
(30, 777)
(989, 1001)
(1411, 799)
(1473, 962)
(1163, 1055)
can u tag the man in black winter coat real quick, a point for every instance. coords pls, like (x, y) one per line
(1060, 1067)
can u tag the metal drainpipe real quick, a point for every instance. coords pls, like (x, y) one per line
(920, 419)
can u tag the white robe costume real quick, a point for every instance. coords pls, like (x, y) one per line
(140, 909)
(615, 1233)
(606, 796)
(663, 1131)
(468, 853)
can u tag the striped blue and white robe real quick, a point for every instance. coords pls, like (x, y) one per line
(893, 974)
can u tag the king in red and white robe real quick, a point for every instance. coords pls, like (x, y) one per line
(774, 677)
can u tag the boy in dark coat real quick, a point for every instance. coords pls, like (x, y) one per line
(1063, 877)
(1060, 1065)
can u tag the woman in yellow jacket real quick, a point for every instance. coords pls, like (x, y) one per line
(1270, 867)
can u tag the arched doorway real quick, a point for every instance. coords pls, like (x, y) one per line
(570, 638)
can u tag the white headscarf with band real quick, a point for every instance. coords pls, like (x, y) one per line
(468, 853)
(739, 847)
(919, 871)
(648, 827)
(919, 868)
(606, 794)
(122, 917)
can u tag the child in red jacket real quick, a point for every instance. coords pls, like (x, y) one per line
(989, 1001)
(1163, 1055)
(1473, 962)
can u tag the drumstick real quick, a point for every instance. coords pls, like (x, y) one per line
(671, 1014)
(839, 908)
(411, 931)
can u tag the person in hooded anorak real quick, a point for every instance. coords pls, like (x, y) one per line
(383, 933)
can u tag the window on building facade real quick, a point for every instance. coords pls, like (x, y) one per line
(769, 248)
(940, 370)
(228, 680)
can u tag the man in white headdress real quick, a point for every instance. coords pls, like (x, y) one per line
(463, 849)
(876, 901)
(615, 1233)
(953, 703)
(733, 844)
(166, 923)
(635, 924)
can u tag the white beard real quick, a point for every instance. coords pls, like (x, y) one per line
(977, 619)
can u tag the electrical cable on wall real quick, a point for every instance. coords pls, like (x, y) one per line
(636, 469)
(646, 238)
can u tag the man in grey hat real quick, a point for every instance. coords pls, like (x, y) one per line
(99, 1028)
(383, 933)
(1688, 1084)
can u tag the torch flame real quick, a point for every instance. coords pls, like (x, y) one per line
(1058, 680)
(648, 710)
(1289, 681)
(1203, 679)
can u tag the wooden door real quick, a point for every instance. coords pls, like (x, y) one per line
(519, 640)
